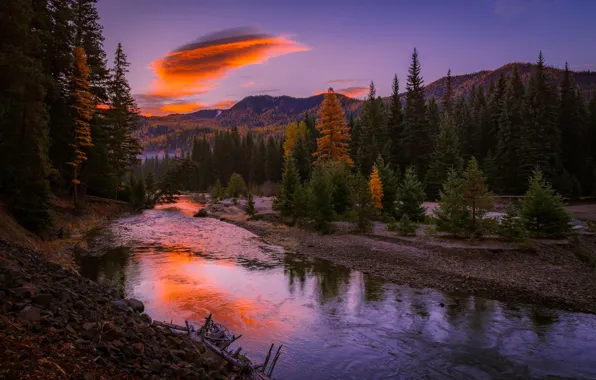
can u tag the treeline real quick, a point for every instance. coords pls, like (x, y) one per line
(66, 119)
(511, 129)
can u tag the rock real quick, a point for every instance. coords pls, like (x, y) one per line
(88, 326)
(139, 348)
(156, 367)
(30, 313)
(146, 318)
(111, 332)
(202, 213)
(135, 305)
(25, 291)
(442, 304)
(43, 300)
(102, 347)
(120, 305)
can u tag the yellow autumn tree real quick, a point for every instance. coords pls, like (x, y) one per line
(293, 132)
(83, 108)
(376, 188)
(333, 145)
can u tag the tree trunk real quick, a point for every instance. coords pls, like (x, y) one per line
(75, 199)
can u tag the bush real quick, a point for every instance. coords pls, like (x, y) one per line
(406, 227)
(543, 210)
(410, 197)
(391, 224)
(217, 192)
(236, 186)
(512, 227)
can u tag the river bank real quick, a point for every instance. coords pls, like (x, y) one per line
(553, 274)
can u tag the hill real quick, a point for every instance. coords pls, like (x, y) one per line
(268, 113)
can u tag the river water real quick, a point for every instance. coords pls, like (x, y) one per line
(334, 323)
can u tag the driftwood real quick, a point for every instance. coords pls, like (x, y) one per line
(217, 339)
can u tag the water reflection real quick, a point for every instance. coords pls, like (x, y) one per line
(334, 322)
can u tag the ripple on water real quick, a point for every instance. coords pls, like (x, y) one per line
(333, 322)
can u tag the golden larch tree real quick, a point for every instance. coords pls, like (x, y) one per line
(333, 145)
(376, 188)
(294, 131)
(83, 107)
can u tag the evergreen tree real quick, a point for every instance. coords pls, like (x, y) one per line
(464, 127)
(290, 181)
(511, 227)
(363, 203)
(23, 117)
(302, 157)
(509, 143)
(322, 198)
(83, 107)
(434, 119)
(476, 194)
(376, 188)
(389, 180)
(410, 197)
(273, 160)
(395, 128)
(540, 137)
(374, 131)
(445, 157)
(417, 137)
(451, 213)
(250, 205)
(337, 173)
(88, 35)
(333, 144)
(571, 126)
(447, 98)
(543, 211)
(123, 115)
(257, 161)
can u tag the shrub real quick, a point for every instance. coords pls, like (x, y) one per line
(391, 224)
(406, 227)
(512, 227)
(543, 210)
(236, 186)
(217, 192)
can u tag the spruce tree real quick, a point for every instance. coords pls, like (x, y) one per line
(273, 160)
(543, 211)
(395, 128)
(364, 209)
(410, 197)
(389, 180)
(123, 115)
(448, 98)
(477, 196)
(451, 212)
(290, 181)
(540, 137)
(250, 205)
(321, 209)
(83, 108)
(434, 119)
(511, 227)
(338, 172)
(417, 137)
(446, 156)
(374, 131)
(509, 144)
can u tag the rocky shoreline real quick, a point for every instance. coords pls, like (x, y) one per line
(56, 324)
(552, 274)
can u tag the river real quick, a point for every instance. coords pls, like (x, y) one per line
(334, 323)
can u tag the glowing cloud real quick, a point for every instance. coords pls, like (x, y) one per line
(181, 107)
(248, 84)
(195, 67)
(223, 105)
(351, 92)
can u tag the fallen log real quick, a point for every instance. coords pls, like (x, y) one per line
(170, 325)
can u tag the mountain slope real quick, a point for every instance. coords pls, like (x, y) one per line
(264, 112)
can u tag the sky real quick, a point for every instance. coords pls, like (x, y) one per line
(188, 55)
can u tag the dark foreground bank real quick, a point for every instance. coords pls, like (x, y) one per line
(55, 324)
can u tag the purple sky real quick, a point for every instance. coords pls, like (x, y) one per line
(332, 40)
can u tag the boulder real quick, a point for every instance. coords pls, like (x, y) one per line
(135, 305)
(43, 300)
(202, 213)
(30, 313)
(120, 304)
(146, 318)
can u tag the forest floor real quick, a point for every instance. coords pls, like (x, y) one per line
(55, 324)
(553, 273)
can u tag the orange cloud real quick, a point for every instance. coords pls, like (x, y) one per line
(351, 92)
(224, 104)
(248, 84)
(181, 107)
(194, 67)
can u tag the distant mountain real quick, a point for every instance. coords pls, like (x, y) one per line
(264, 112)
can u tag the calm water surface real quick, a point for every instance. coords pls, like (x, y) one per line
(334, 323)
